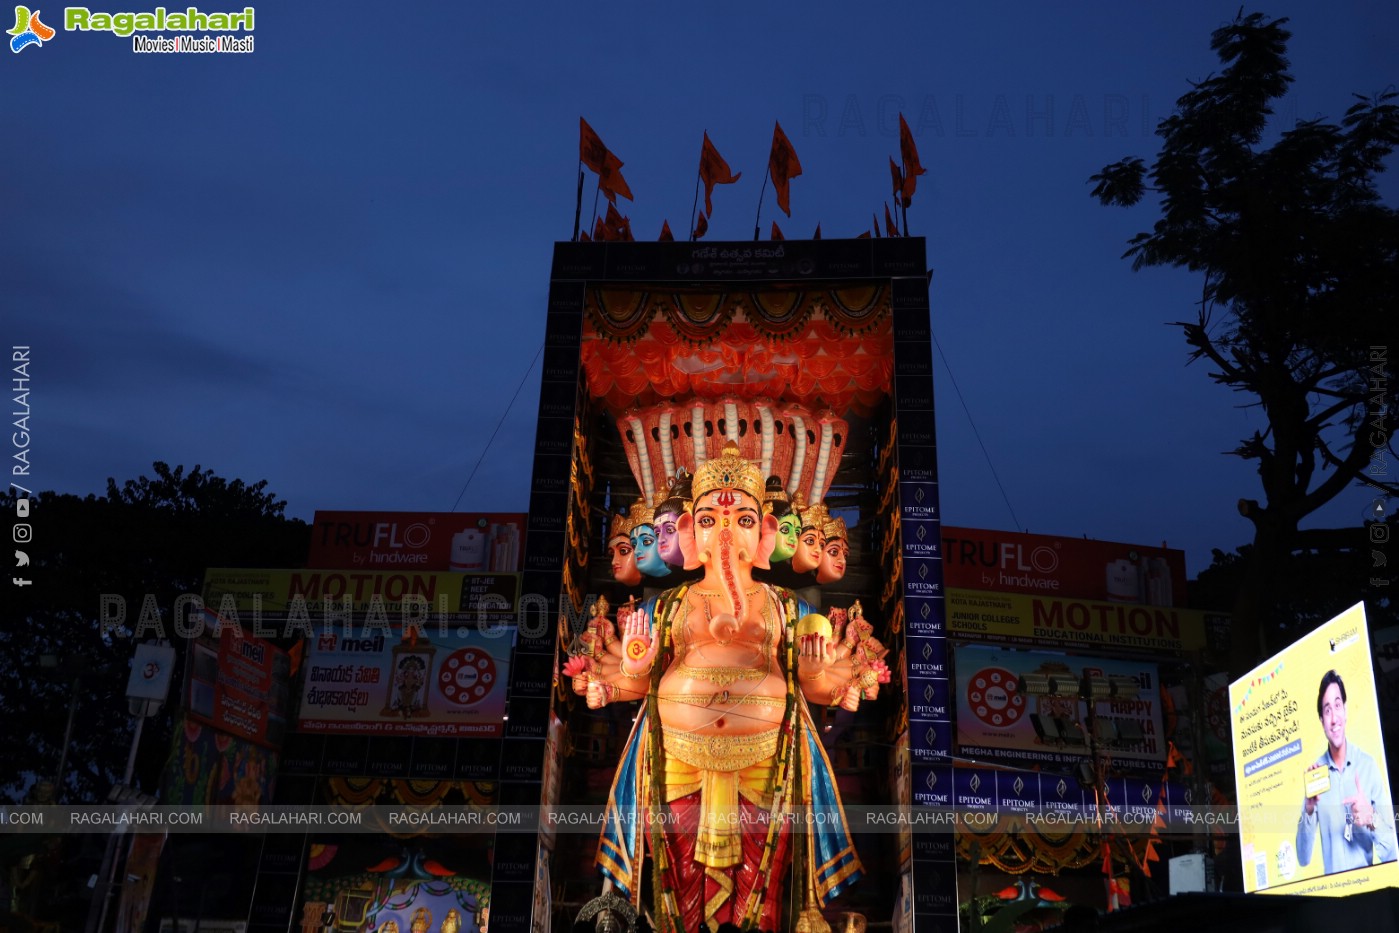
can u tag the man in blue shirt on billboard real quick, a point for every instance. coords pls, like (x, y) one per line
(1353, 810)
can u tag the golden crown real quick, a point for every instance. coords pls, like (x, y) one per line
(621, 527)
(729, 470)
(815, 516)
(835, 528)
(640, 514)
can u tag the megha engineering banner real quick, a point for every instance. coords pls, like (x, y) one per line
(373, 683)
(1292, 718)
(996, 721)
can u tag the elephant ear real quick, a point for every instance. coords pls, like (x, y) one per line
(685, 534)
(766, 544)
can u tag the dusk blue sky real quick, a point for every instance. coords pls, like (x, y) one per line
(325, 263)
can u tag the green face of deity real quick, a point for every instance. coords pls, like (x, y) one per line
(787, 528)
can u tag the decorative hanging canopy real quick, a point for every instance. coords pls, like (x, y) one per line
(822, 348)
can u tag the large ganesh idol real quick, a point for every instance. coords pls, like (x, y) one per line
(724, 752)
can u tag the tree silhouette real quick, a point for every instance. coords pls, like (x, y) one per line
(148, 539)
(1299, 302)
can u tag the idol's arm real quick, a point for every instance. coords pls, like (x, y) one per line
(616, 670)
(823, 684)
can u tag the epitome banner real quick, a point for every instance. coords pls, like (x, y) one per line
(996, 720)
(1315, 811)
(372, 683)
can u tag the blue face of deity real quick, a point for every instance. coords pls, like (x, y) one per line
(648, 551)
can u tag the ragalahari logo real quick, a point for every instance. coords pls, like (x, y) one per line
(29, 30)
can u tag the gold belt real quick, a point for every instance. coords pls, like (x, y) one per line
(723, 697)
(720, 752)
(723, 676)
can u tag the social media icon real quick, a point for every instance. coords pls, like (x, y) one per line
(21, 559)
(21, 581)
(22, 533)
(22, 508)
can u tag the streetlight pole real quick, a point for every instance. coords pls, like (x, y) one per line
(97, 915)
(67, 667)
(146, 690)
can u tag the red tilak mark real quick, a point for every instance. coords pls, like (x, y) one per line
(726, 498)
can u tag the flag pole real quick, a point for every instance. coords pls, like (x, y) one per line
(757, 221)
(899, 200)
(905, 206)
(699, 169)
(578, 203)
(596, 192)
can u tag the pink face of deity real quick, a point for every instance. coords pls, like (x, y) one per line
(833, 559)
(735, 512)
(809, 547)
(668, 539)
(623, 555)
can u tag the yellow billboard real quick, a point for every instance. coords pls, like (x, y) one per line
(989, 616)
(1315, 811)
(279, 592)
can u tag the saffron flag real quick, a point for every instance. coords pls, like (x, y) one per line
(611, 181)
(666, 235)
(875, 218)
(601, 160)
(912, 167)
(783, 166)
(817, 234)
(890, 228)
(898, 179)
(776, 232)
(864, 236)
(591, 151)
(600, 233)
(701, 227)
(713, 171)
(618, 226)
